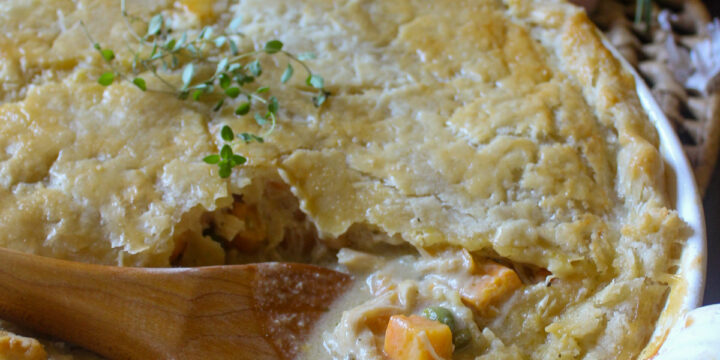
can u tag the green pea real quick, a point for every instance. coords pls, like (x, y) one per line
(441, 314)
(461, 338)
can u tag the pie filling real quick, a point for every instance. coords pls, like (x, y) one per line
(426, 303)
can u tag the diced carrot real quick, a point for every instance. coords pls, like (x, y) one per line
(202, 8)
(378, 324)
(13, 347)
(417, 338)
(492, 284)
(252, 237)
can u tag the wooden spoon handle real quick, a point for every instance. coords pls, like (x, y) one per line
(188, 313)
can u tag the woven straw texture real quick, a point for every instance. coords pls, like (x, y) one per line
(661, 54)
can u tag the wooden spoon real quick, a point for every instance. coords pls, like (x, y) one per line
(255, 311)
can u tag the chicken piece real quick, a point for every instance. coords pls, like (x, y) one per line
(251, 238)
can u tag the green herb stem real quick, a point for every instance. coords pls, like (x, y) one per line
(234, 71)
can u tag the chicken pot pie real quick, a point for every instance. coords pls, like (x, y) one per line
(483, 168)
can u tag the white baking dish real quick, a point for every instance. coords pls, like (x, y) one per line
(687, 289)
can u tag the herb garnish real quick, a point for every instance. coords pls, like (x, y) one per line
(235, 75)
(643, 13)
(226, 160)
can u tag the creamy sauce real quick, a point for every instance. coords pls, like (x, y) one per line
(315, 346)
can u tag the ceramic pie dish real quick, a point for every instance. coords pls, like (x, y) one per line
(687, 293)
(496, 189)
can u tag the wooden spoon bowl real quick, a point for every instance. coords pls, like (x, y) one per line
(255, 311)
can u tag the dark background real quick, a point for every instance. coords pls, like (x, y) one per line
(713, 6)
(712, 213)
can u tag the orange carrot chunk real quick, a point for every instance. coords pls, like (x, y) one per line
(417, 338)
(493, 284)
(252, 238)
(202, 8)
(13, 347)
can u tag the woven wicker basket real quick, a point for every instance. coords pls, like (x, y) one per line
(681, 23)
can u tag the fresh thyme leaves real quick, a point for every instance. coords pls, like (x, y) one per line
(187, 75)
(273, 105)
(107, 54)
(255, 68)
(273, 46)
(243, 109)
(315, 81)
(248, 138)
(287, 75)
(232, 92)
(106, 78)
(227, 133)
(226, 160)
(140, 83)
(320, 98)
(643, 13)
(307, 56)
(155, 25)
(159, 51)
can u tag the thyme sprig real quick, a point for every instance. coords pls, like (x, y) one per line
(643, 13)
(159, 51)
(226, 159)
